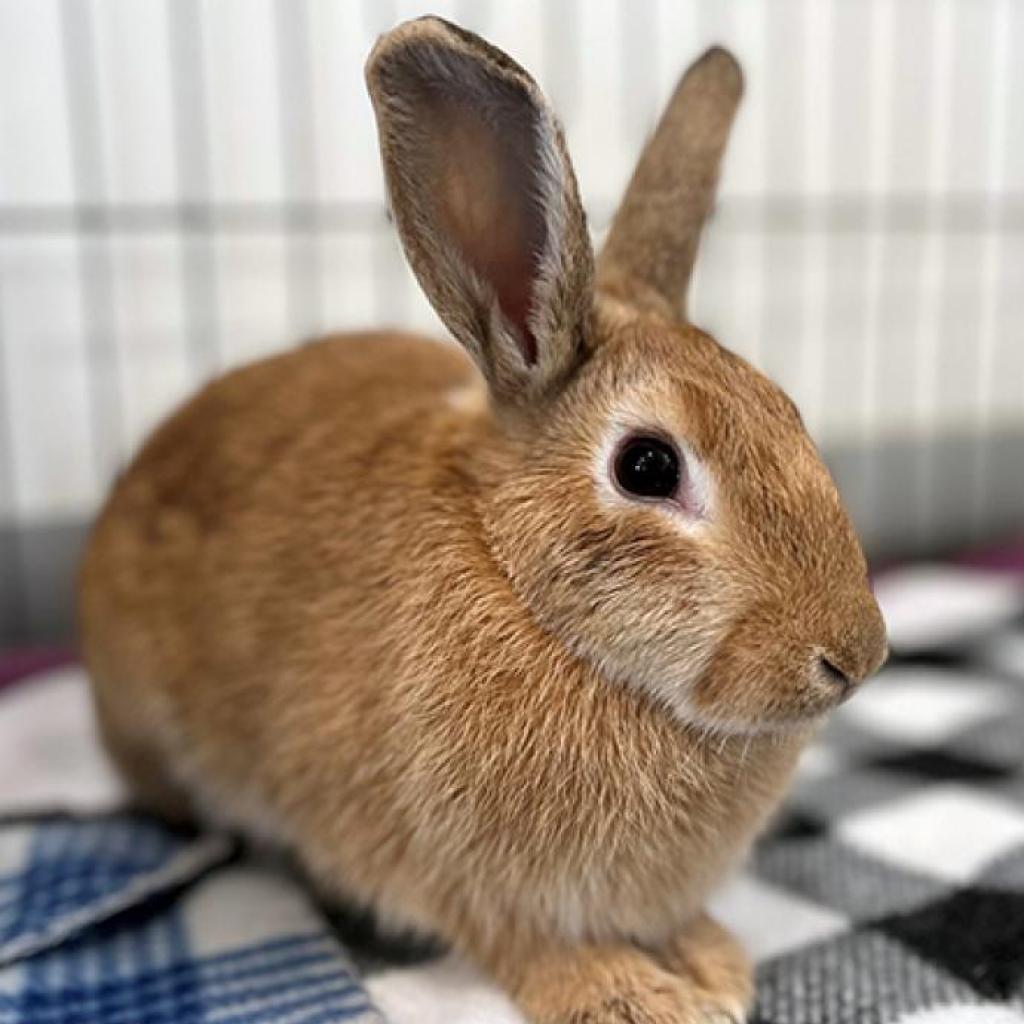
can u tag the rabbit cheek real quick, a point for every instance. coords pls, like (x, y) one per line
(759, 680)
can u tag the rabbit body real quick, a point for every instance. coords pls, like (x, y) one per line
(447, 631)
(348, 669)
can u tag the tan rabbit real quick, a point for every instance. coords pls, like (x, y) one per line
(524, 663)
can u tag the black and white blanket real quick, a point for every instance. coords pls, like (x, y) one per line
(890, 889)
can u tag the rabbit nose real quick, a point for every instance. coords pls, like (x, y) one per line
(834, 674)
(844, 677)
(858, 645)
(846, 663)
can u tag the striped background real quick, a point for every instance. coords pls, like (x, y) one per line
(185, 185)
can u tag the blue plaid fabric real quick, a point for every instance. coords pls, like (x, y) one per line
(115, 919)
(146, 972)
(75, 871)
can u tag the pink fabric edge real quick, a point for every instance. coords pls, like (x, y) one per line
(21, 663)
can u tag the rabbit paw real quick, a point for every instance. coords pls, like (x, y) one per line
(654, 1008)
(712, 961)
(617, 985)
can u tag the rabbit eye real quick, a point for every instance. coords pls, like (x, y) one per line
(647, 467)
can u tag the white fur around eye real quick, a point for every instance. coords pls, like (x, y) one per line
(690, 516)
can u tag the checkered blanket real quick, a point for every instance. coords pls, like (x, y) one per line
(890, 889)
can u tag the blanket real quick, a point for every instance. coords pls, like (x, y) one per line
(890, 888)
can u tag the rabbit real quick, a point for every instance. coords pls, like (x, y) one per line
(516, 643)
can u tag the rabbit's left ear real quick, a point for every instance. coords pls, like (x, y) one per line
(650, 250)
(486, 203)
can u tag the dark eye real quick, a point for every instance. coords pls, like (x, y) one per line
(647, 467)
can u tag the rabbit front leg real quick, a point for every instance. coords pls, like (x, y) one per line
(623, 984)
(709, 956)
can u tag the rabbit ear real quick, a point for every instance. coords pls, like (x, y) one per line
(649, 253)
(486, 203)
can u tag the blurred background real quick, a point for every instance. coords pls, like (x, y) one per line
(188, 185)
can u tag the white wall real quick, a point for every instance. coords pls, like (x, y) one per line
(868, 250)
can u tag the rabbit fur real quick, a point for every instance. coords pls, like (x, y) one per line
(380, 600)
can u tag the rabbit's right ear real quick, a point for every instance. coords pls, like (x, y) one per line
(486, 203)
(650, 250)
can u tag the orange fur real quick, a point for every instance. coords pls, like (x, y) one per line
(349, 600)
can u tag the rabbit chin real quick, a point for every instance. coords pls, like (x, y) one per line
(714, 724)
(676, 698)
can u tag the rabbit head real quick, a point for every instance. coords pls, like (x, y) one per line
(653, 499)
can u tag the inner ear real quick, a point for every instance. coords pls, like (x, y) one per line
(486, 204)
(486, 177)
